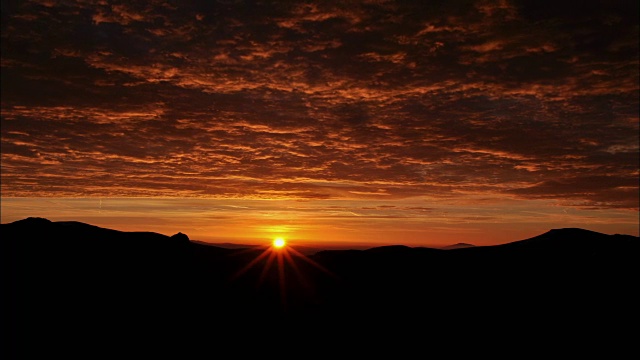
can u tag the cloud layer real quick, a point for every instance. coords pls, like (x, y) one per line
(376, 100)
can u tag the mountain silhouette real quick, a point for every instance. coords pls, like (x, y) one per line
(133, 290)
(457, 246)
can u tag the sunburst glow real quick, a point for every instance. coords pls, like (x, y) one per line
(279, 242)
(283, 257)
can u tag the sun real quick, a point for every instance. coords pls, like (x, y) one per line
(278, 243)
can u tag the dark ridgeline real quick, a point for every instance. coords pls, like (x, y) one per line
(74, 287)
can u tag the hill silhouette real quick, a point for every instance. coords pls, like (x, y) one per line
(457, 246)
(112, 289)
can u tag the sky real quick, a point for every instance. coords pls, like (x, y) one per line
(421, 123)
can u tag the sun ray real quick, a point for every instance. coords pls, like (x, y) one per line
(310, 261)
(266, 267)
(281, 281)
(296, 269)
(285, 259)
(250, 265)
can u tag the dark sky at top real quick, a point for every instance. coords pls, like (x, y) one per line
(322, 99)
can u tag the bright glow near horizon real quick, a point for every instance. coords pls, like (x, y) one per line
(279, 242)
(327, 222)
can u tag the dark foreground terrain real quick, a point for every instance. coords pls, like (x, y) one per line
(76, 290)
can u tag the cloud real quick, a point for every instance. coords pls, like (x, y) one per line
(322, 100)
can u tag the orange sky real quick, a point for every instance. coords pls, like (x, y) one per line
(379, 122)
(348, 222)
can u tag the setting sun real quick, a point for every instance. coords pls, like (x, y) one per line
(278, 242)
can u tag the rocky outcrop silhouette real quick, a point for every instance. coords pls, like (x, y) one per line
(180, 237)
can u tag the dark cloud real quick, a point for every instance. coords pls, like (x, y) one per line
(321, 100)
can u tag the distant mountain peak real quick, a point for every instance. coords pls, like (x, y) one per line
(386, 248)
(33, 221)
(457, 246)
(572, 230)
